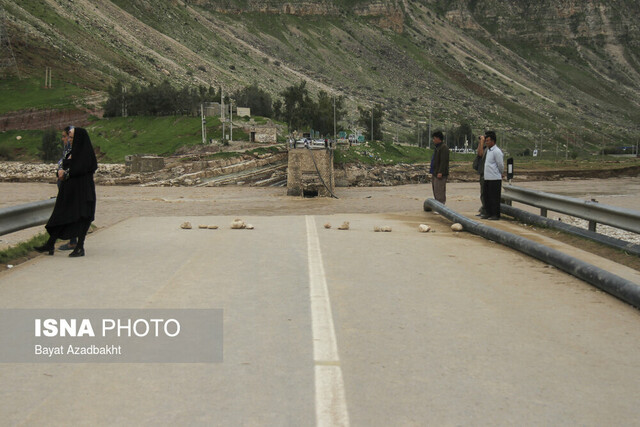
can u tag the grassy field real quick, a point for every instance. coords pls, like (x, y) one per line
(27, 148)
(23, 249)
(115, 138)
(28, 94)
(384, 153)
(118, 137)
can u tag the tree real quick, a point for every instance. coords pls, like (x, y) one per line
(113, 106)
(365, 122)
(465, 134)
(277, 109)
(51, 147)
(323, 117)
(255, 98)
(297, 111)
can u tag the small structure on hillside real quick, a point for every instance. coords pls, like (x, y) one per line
(211, 109)
(262, 133)
(138, 163)
(310, 172)
(243, 112)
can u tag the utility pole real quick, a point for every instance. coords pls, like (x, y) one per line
(204, 125)
(47, 77)
(429, 88)
(566, 148)
(231, 118)
(334, 117)
(222, 111)
(540, 152)
(429, 138)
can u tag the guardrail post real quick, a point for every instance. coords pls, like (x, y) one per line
(592, 226)
(543, 212)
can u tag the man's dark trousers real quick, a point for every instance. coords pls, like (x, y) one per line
(492, 193)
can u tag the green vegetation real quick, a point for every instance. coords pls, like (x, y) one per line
(27, 148)
(50, 147)
(408, 71)
(114, 138)
(29, 94)
(117, 137)
(381, 153)
(158, 100)
(22, 249)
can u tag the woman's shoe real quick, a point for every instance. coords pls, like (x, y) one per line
(66, 247)
(77, 252)
(44, 248)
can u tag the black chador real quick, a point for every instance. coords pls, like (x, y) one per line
(75, 206)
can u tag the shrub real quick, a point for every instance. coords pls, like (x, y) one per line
(51, 147)
(5, 153)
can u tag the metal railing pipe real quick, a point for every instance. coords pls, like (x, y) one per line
(530, 218)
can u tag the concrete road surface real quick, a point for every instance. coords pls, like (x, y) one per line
(323, 326)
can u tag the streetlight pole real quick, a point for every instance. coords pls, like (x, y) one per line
(222, 110)
(429, 88)
(204, 125)
(429, 137)
(334, 119)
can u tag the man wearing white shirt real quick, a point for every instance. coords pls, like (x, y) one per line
(493, 168)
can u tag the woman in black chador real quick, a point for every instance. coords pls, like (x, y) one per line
(76, 202)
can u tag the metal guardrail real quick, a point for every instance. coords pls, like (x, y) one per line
(594, 212)
(19, 217)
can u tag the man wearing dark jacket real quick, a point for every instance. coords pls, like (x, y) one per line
(439, 168)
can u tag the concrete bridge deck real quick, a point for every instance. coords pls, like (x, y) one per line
(430, 329)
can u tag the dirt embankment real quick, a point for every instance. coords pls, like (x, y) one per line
(43, 119)
(252, 169)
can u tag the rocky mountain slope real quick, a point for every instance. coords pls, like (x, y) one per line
(542, 72)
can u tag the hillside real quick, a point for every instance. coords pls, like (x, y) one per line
(543, 72)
